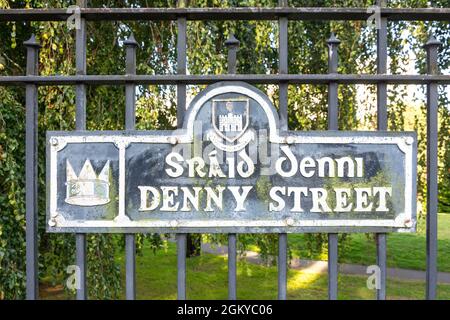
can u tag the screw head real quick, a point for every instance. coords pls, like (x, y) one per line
(408, 223)
(173, 140)
(290, 140)
(52, 222)
(409, 140)
(54, 142)
(289, 221)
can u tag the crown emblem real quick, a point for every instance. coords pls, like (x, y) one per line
(87, 189)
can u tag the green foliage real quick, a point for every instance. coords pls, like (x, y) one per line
(444, 190)
(12, 207)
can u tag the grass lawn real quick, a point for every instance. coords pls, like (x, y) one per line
(207, 279)
(207, 274)
(404, 250)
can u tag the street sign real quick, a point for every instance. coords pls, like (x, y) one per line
(231, 169)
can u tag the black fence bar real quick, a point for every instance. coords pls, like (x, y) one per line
(283, 67)
(181, 69)
(244, 13)
(381, 241)
(80, 95)
(333, 266)
(179, 79)
(283, 114)
(181, 265)
(232, 267)
(233, 45)
(432, 47)
(333, 113)
(181, 108)
(80, 260)
(80, 61)
(381, 125)
(282, 265)
(382, 70)
(130, 124)
(130, 94)
(130, 266)
(31, 186)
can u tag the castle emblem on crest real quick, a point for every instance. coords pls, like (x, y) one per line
(88, 188)
(230, 121)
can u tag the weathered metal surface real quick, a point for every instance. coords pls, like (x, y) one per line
(333, 268)
(80, 124)
(333, 124)
(130, 121)
(382, 124)
(233, 45)
(245, 13)
(283, 52)
(232, 266)
(210, 79)
(159, 182)
(181, 110)
(31, 171)
(432, 47)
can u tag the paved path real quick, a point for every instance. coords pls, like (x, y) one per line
(311, 266)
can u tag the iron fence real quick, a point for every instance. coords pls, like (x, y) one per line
(283, 14)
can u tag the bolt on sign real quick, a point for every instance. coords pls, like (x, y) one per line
(231, 169)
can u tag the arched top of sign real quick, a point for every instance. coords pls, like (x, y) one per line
(238, 102)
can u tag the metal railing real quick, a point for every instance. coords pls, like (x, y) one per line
(282, 14)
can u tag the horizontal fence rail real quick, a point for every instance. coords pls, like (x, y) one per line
(208, 79)
(256, 13)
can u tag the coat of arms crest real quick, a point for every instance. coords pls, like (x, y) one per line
(230, 121)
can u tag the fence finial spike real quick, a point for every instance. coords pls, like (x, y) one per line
(232, 41)
(333, 40)
(131, 41)
(32, 42)
(432, 41)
